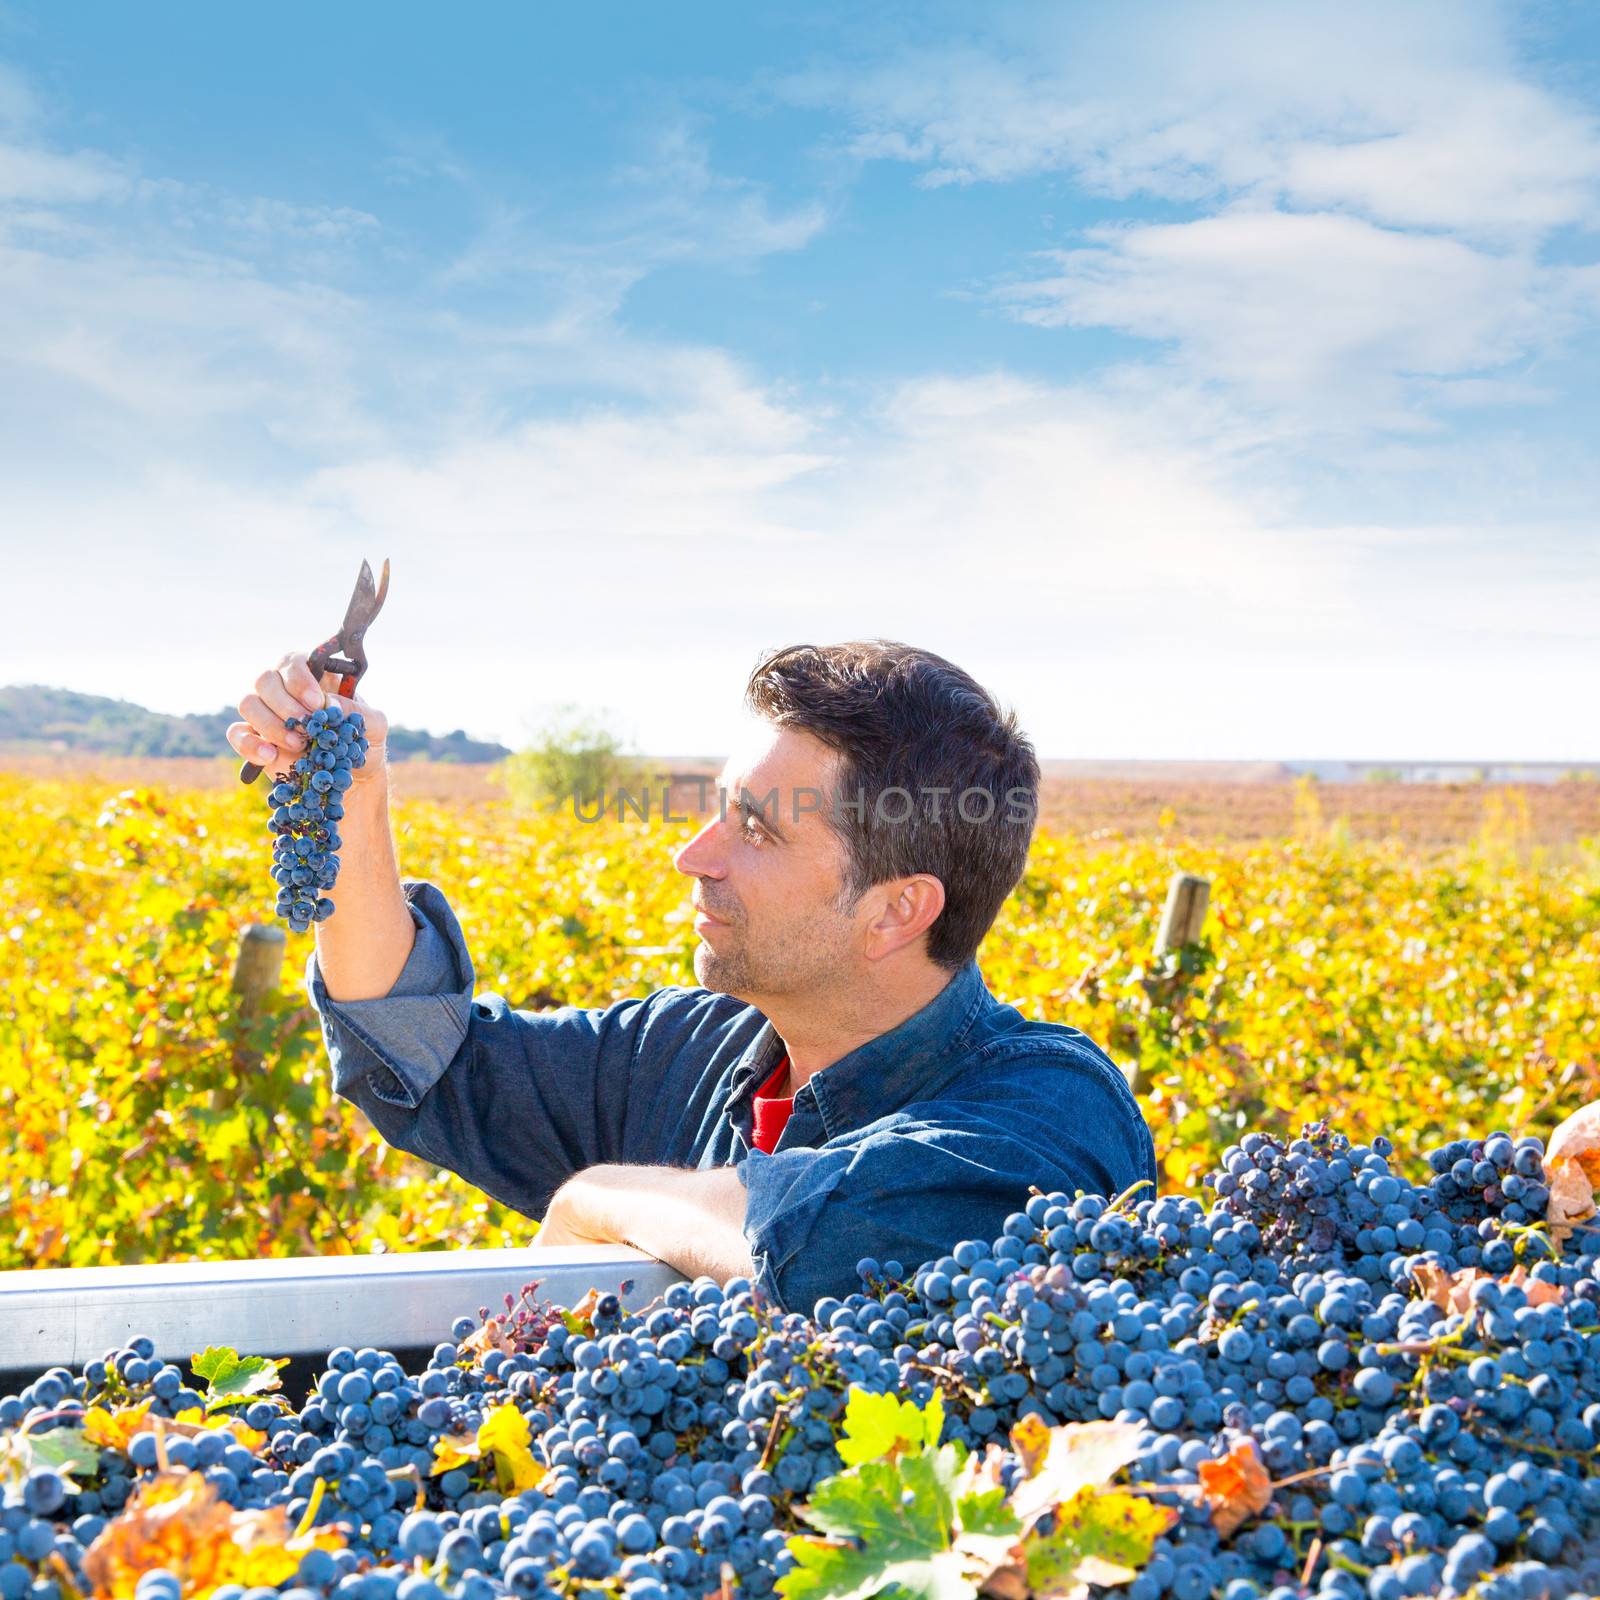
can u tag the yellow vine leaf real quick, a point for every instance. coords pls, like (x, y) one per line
(504, 1436)
(194, 1421)
(175, 1520)
(878, 1425)
(1100, 1536)
(112, 1429)
(452, 1450)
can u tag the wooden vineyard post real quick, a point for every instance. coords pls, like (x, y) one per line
(258, 966)
(1182, 921)
(1188, 896)
(257, 969)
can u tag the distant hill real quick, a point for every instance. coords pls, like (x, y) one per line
(33, 716)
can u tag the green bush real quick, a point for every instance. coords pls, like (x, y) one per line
(575, 755)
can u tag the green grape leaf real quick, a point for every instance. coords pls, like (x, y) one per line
(896, 1524)
(827, 1571)
(231, 1379)
(987, 1513)
(65, 1450)
(878, 1425)
(1101, 1536)
(990, 1527)
(903, 1507)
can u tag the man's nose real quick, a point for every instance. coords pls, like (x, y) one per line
(700, 857)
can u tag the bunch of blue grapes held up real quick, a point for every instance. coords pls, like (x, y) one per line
(308, 805)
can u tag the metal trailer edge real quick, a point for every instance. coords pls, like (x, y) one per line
(299, 1307)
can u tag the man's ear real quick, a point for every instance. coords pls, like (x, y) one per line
(909, 907)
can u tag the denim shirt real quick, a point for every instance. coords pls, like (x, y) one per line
(928, 1134)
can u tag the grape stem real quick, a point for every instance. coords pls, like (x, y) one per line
(1313, 1556)
(313, 1506)
(409, 1470)
(51, 1416)
(1127, 1195)
(59, 1565)
(777, 1422)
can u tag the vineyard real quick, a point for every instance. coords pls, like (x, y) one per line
(1418, 991)
(1343, 1354)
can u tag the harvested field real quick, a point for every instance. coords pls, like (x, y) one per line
(1226, 808)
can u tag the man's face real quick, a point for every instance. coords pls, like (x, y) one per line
(772, 877)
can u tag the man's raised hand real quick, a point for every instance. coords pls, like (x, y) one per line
(291, 689)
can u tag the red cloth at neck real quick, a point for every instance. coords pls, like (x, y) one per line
(771, 1110)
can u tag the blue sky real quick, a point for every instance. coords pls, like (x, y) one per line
(1208, 380)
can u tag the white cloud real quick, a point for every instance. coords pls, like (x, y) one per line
(1414, 113)
(691, 210)
(140, 357)
(18, 104)
(1305, 309)
(33, 173)
(1375, 184)
(1481, 154)
(669, 205)
(686, 473)
(260, 215)
(45, 177)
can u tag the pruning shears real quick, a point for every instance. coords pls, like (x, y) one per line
(365, 604)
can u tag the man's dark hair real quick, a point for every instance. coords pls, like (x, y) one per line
(904, 719)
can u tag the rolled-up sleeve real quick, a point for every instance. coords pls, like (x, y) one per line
(513, 1101)
(399, 1045)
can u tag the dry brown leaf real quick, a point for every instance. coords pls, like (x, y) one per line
(1539, 1292)
(491, 1336)
(1235, 1488)
(1450, 1291)
(1006, 1583)
(1572, 1166)
(583, 1311)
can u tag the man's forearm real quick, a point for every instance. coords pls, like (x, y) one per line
(692, 1220)
(364, 946)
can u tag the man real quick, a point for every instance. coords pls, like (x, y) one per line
(842, 1084)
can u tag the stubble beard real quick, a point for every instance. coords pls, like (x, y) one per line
(804, 958)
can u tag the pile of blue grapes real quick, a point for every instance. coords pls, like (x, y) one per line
(307, 807)
(1414, 1449)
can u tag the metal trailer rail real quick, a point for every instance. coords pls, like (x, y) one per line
(300, 1307)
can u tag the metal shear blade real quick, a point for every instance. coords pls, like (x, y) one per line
(365, 603)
